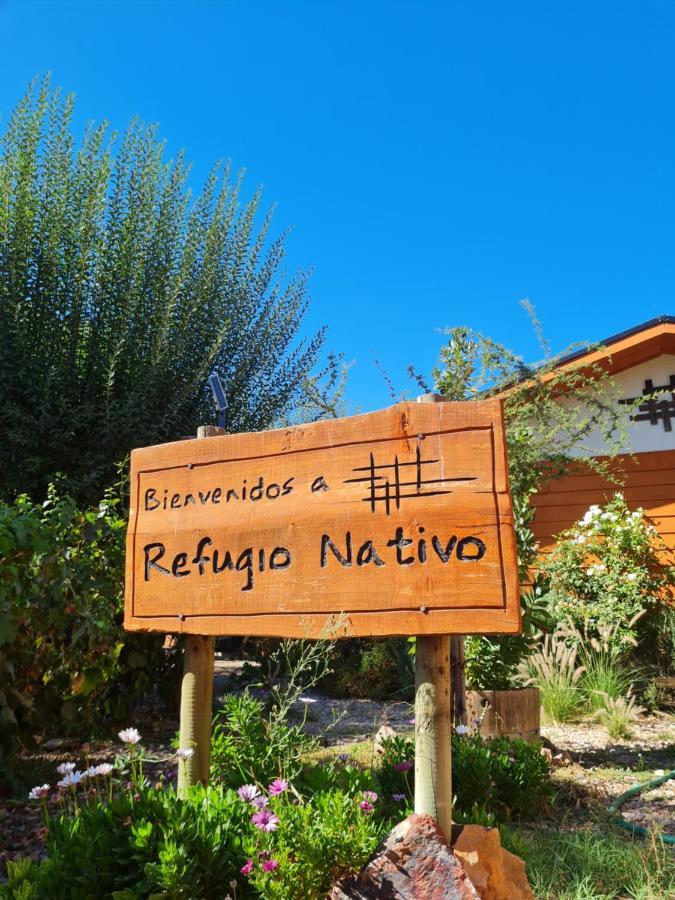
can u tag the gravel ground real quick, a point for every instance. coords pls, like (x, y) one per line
(602, 769)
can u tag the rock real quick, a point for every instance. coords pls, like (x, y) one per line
(413, 863)
(384, 732)
(495, 873)
(60, 744)
(562, 760)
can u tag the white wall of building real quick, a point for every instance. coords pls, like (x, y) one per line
(641, 436)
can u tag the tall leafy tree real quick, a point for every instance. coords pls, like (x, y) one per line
(120, 292)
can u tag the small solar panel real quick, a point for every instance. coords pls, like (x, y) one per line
(219, 398)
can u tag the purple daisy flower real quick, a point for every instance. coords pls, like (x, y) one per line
(278, 786)
(265, 820)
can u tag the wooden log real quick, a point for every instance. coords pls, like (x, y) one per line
(433, 750)
(196, 711)
(196, 698)
(433, 778)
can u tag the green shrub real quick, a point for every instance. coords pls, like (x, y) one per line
(606, 570)
(617, 714)
(63, 651)
(371, 669)
(250, 743)
(608, 674)
(252, 739)
(317, 842)
(130, 840)
(492, 663)
(493, 780)
(144, 842)
(655, 650)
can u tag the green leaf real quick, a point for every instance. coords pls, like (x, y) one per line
(7, 627)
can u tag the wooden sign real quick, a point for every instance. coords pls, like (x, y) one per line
(394, 522)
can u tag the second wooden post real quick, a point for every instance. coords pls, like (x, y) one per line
(433, 750)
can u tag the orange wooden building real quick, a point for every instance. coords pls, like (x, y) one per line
(642, 362)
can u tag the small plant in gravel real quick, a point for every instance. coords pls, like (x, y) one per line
(617, 714)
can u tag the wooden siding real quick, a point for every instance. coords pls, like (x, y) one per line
(648, 481)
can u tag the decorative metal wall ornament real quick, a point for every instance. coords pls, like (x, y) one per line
(651, 409)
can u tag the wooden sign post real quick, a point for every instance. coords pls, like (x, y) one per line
(433, 720)
(396, 522)
(196, 694)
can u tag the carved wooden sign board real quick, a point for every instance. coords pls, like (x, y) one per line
(392, 523)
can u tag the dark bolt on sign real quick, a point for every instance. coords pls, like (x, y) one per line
(394, 522)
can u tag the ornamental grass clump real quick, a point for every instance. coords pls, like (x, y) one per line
(617, 714)
(608, 672)
(554, 669)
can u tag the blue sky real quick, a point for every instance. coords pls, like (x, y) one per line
(438, 161)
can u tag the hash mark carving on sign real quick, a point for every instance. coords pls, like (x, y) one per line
(386, 488)
(653, 410)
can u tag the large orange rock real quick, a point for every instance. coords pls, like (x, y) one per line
(413, 863)
(494, 872)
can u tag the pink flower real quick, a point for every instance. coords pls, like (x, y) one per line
(404, 766)
(270, 865)
(369, 795)
(265, 820)
(278, 786)
(260, 802)
(247, 868)
(248, 792)
(366, 806)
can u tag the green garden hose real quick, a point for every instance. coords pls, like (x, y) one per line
(631, 792)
